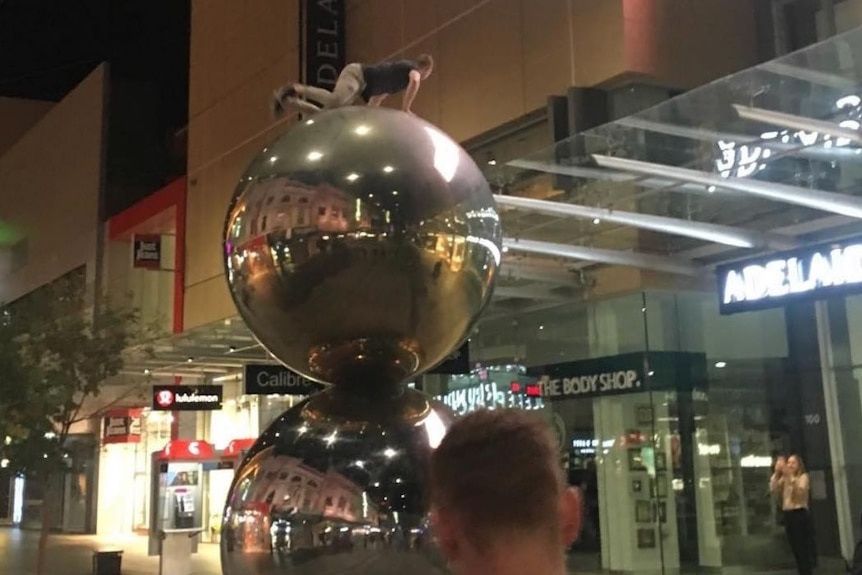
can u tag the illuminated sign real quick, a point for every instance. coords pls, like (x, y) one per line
(592, 377)
(267, 379)
(809, 273)
(187, 397)
(122, 426)
(741, 160)
(147, 251)
(487, 396)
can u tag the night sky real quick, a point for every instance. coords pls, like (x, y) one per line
(48, 46)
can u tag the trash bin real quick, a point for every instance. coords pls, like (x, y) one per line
(107, 562)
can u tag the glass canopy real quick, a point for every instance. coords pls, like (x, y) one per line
(765, 159)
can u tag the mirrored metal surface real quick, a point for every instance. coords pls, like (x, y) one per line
(361, 246)
(337, 485)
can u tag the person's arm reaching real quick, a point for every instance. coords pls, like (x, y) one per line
(377, 100)
(412, 90)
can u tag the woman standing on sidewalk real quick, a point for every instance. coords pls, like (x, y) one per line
(791, 482)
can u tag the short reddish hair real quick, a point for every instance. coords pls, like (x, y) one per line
(425, 61)
(498, 472)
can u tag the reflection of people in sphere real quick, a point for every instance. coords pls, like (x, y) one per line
(371, 83)
(499, 502)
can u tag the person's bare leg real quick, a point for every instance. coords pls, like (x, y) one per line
(324, 97)
(290, 94)
(303, 105)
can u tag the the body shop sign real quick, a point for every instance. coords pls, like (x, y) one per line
(804, 274)
(594, 377)
(187, 397)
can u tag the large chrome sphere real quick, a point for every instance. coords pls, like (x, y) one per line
(361, 246)
(337, 485)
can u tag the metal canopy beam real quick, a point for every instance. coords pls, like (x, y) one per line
(811, 76)
(596, 174)
(708, 135)
(547, 272)
(605, 256)
(714, 233)
(783, 120)
(815, 199)
(529, 292)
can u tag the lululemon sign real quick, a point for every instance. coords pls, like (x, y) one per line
(187, 397)
(269, 379)
(809, 273)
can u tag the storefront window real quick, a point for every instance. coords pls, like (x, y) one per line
(737, 422)
(840, 323)
(668, 416)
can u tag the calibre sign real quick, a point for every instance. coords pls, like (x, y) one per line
(808, 273)
(266, 379)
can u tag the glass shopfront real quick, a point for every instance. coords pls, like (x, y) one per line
(669, 417)
(125, 464)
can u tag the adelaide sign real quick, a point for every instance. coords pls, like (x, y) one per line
(804, 274)
(187, 397)
(323, 45)
(266, 379)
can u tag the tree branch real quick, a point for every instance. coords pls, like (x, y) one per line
(102, 409)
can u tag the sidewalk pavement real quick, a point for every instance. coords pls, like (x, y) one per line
(73, 554)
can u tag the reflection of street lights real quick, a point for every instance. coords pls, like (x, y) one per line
(330, 439)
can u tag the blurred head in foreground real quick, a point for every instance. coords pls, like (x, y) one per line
(499, 502)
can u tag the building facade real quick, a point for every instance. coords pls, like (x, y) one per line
(669, 413)
(675, 453)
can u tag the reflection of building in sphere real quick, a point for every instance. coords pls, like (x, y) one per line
(361, 247)
(287, 485)
(337, 482)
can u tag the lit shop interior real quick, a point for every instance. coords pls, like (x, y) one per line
(677, 299)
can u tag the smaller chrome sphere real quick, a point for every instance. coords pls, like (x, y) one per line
(337, 484)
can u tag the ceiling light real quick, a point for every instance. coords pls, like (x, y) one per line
(314, 155)
(352, 177)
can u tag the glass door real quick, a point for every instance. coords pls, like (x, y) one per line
(635, 481)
